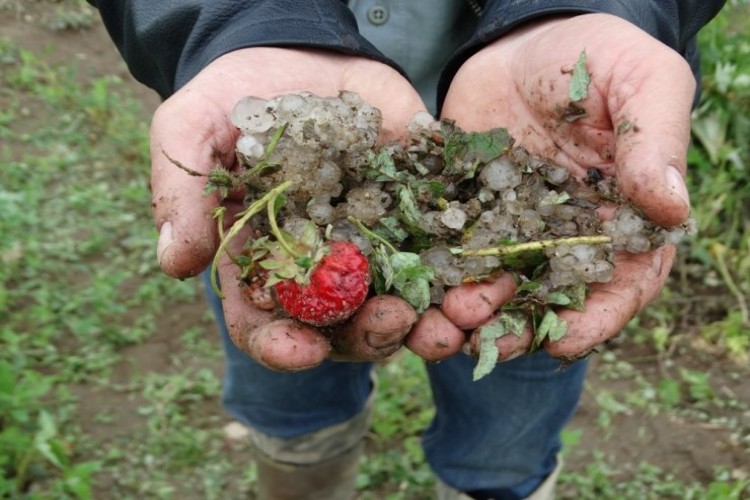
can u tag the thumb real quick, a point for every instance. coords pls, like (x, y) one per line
(651, 117)
(187, 232)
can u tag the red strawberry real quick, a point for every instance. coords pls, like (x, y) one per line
(337, 286)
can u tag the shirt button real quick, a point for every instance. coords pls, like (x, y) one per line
(377, 15)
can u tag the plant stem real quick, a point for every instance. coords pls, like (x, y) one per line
(718, 250)
(219, 216)
(243, 219)
(371, 234)
(179, 165)
(264, 163)
(278, 232)
(532, 246)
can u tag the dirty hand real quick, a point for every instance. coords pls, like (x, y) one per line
(193, 127)
(636, 129)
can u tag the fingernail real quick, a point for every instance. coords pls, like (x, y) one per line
(165, 240)
(676, 184)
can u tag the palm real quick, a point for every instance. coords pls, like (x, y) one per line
(193, 126)
(636, 127)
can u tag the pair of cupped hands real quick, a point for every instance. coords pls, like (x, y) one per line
(519, 82)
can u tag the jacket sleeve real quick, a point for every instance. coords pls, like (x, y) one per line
(166, 43)
(673, 22)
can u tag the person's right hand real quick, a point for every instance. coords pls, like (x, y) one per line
(193, 126)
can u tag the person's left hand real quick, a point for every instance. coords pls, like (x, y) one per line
(636, 128)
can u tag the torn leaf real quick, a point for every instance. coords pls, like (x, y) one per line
(580, 80)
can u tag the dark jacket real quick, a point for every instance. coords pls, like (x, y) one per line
(166, 43)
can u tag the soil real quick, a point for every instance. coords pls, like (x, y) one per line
(690, 448)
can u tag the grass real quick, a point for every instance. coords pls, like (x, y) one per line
(104, 393)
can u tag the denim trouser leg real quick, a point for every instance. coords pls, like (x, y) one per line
(495, 438)
(498, 437)
(288, 405)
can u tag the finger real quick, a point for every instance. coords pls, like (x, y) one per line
(375, 332)
(509, 346)
(282, 345)
(473, 304)
(637, 281)
(435, 337)
(651, 106)
(187, 232)
(287, 345)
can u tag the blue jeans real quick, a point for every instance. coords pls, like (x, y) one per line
(494, 438)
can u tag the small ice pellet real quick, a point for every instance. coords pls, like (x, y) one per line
(562, 278)
(674, 236)
(638, 244)
(628, 222)
(500, 174)
(451, 275)
(603, 271)
(422, 121)
(437, 257)
(292, 105)
(250, 147)
(583, 253)
(453, 218)
(364, 244)
(557, 175)
(250, 115)
(321, 213)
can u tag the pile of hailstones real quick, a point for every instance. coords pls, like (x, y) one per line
(329, 151)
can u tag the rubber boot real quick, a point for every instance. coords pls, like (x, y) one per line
(321, 465)
(333, 479)
(545, 491)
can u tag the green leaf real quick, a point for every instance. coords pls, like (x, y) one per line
(554, 198)
(528, 286)
(414, 291)
(669, 392)
(465, 151)
(580, 80)
(272, 264)
(309, 238)
(433, 189)
(558, 298)
(390, 229)
(407, 205)
(78, 478)
(507, 322)
(381, 270)
(577, 295)
(305, 262)
(411, 279)
(404, 260)
(488, 351)
(552, 326)
(43, 441)
(515, 321)
(383, 169)
(278, 203)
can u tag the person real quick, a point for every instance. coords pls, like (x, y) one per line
(496, 63)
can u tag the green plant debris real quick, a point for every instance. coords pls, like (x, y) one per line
(580, 80)
(509, 322)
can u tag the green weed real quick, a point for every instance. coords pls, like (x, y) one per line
(78, 278)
